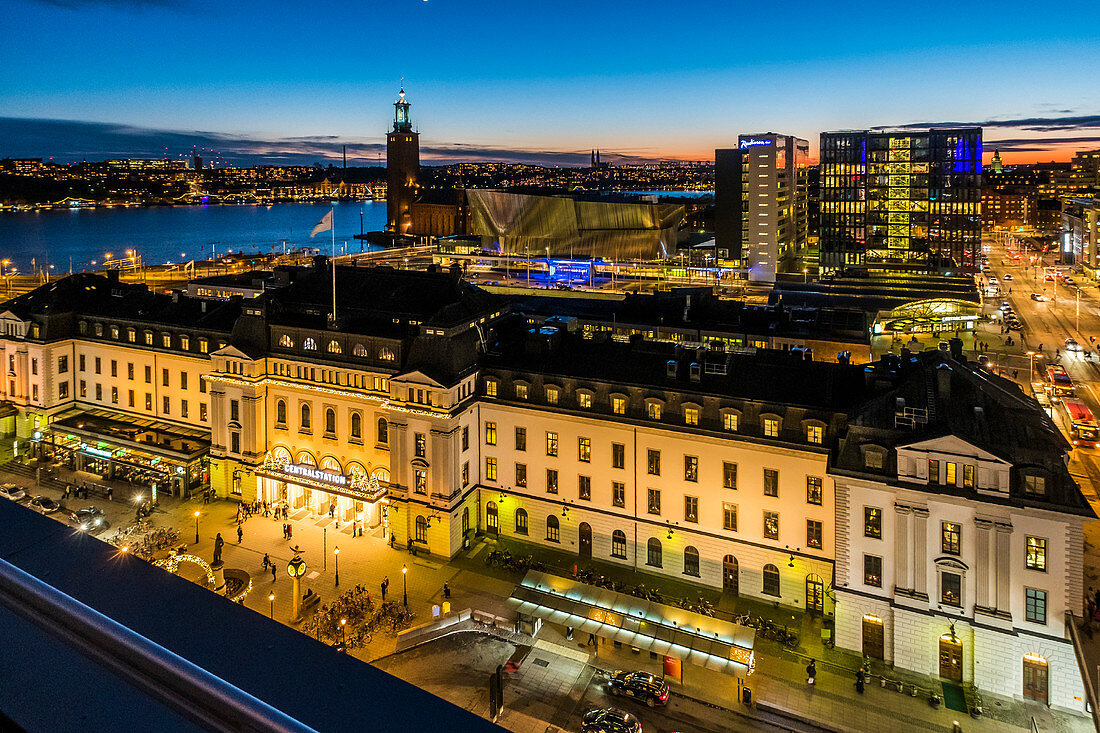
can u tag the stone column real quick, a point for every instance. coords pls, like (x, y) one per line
(218, 568)
(902, 577)
(982, 574)
(1004, 567)
(920, 551)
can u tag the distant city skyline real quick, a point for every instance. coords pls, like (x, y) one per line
(504, 81)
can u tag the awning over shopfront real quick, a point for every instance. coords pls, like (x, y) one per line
(120, 430)
(931, 314)
(703, 640)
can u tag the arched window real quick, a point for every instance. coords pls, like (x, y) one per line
(286, 341)
(618, 544)
(491, 517)
(330, 421)
(334, 347)
(281, 454)
(421, 529)
(305, 417)
(382, 474)
(553, 531)
(653, 552)
(354, 468)
(310, 344)
(331, 464)
(356, 426)
(383, 431)
(691, 561)
(360, 350)
(521, 521)
(280, 412)
(771, 581)
(305, 458)
(386, 354)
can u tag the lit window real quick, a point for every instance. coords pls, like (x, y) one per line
(872, 522)
(729, 516)
(584, 399)
(618, 405)
(490, 388)
(552, 394)
(729, 475)
(771, 427)
(691, 416)
(490, 469)
(815, 434)
(521, 391)
(872, 571)
(729, 421)
(691, 468)
(310, 344)
(1036, 556)
(552, 444)
(584, 450)
(653, 410)
(1035, 485)
(771, 525)
(387, 354)
(813, 490)
(950, 538)
(490, 433)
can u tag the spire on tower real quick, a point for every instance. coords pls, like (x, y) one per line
(401, 121)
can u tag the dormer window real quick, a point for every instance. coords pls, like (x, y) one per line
(521, 391)
(334, 347)
(653, 409)
(618, 404)
(166, 340)
(1035, 485)
(584, 399)
(148, 338)
(99, 329)
(131, 335)
(815, 434)
(553, 394)
(731, 420)
(691, 415)
(185, 342)
(874, 458)
(491, 387)
(286, 342)
(310, 344)
(771, 427)
(360, 350)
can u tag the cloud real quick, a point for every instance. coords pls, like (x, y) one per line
(1040, 144)
(74, 140)
(1035, 124)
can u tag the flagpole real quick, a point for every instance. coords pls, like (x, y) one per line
(332, 211)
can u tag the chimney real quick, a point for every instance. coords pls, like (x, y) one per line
(943, 382)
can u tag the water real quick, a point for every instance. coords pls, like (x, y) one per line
(176, 233)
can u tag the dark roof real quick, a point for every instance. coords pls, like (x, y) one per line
(49, 685)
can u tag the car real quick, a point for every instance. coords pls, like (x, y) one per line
(1005, 306)
(1072, 345)
(610, 720)
(44, 505)
(1039, 297)
(1068, 281)
(645, 686)
(1007, 277)
(992, 280)
(1016, 326)
(11, 491)
(89, 519)
(1049, 277)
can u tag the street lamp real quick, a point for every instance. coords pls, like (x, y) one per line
(336, 552)
(405, 583)
(343, 634)
(196, 528)
(1031, 373)
(272, 599)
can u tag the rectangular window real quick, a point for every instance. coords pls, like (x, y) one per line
(951, 589)
(202, 411)
(813, 534)
(552, 444)
(465, 474)
(584, 399)
(691, 509)
(813, 490)
(114, 394)
(729, 475)
(872, 522)
(148, 401)
(183, 380)
(148, 374)
(521, 474)
(83, 388)
(584, 487)
(167, 405)
(872, 571)
(235, 410)
(521, 391)
(951, 477)
(420, 481)
(654, 504)
(771, 427)
(771, 482)
(618, 455)
(653, 463)
(729, 421)
(618, 405)
(490, 388)
(1036, 557)
(83, 363)
(166, 340)
(1035, 605)
(465, 437)
(114, 367)
(63, 391)
(618, 545)
(653, 410)
(235, 442)
(521, 439)
(420, 445)
(618, 493)
(1035, 485)
(729, 516)
(130, 371)
(968, 477)
(691, 416)
(490, 433)
(490, 469)
(691, 469)
(950, 540)
(771, 525)
(552, 395)
(130, 398)
(584, 450)
(933, 472)
(62, 365)
(815, 434)
(551, 481)
(99, 391)
(98, 365)
(34, 392)
(164, 378)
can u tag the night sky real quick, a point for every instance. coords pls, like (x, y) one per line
(543, 82)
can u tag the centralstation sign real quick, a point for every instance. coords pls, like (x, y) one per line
(316, 474)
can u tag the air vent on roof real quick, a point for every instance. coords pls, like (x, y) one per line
(670, 369)
(695, 371)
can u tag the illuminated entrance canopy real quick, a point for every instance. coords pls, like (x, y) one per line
(355, 485)
(317, 474)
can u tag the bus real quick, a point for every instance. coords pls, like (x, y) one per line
(1083, 428)
(1060, 383)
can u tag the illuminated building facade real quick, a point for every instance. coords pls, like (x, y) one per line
(1086, 170)
(402, 168)
(761, 202)
(906, 200)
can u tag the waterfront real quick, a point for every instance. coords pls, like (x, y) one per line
(176, 233)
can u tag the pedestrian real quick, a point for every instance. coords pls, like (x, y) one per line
(272, 572)
(860, 679)
(1092, 610)
(353, 525)
(267, 560)
(446, 591)
(110, 493)
(265, 508)
(290, 531)
(811, 672)
(385, 582)
(284, 531)
(591, 640)
(331, 510)
(240, 534)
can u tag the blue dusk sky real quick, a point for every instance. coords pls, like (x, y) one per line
(291, 82)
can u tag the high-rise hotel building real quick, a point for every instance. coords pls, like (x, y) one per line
(908, 200)
(760, 202)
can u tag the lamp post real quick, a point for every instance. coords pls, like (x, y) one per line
(336, 552)
(272, 599)
(196, 528)
(1031, 372)
(343, 633)
(405, 584)
(296, 568)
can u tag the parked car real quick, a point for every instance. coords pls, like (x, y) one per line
(649, 688)
(1006, 306)
(44, 505)
(1049, 277)
(89, 519)
(610, 720)
(1006, 276)
(11, 491)
(1016, 326)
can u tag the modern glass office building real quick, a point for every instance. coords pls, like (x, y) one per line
(908, 200)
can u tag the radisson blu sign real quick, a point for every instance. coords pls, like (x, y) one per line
(316, 474)
(751, 143)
